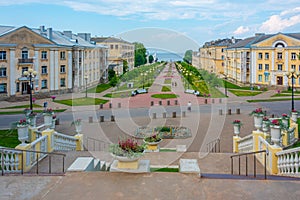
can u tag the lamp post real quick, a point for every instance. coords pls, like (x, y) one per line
(86, 79)
(188, 74)
(225, 84)
(292, 75)
(30, 74)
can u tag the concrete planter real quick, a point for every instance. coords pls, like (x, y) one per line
(275, 134)
(258, 121)
(22, 133)
(236, 129)
(294, 116)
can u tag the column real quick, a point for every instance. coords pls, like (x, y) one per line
(12, 74)
(253, 68)
(286, 61)
(56, 70)
(70, 70)
(51, 74)
(272, 75)
(36, 68)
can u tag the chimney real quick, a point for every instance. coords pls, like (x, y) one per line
(68, 33)
(232, 40)
(42, 28)
(85, 36)
(49, 33)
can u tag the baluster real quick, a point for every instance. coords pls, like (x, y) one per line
(279, 166)
(292, 163)
(12, 162)
(296, 161)
(6, 162)
(284, 163)
(17, 161)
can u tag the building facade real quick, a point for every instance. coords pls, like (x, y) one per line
(264, 60)
(119, 50)
(64, 62)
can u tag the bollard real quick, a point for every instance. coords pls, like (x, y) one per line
(110, 105)
(229, 112)
(205, 101)
(90, 119)
(154, 115)
(176, 102)
(213, 100)
(101, 106)
(174, 114)
(183, 113)
(168, 102)
(164, 115)
(112, 118)
(57, 121)
(119, 105)
(220, 100)
(101, 119)
(152, 103)
(160, 103)
(238, 111)
(220, 112)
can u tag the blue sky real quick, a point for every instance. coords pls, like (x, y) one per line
(160, 24)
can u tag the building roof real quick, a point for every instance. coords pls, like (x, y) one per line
(109, 40)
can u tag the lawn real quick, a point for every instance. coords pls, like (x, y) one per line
(9, 138)
(118, 95)
(165, 169)
(167, 81)
(245, 92)
(23, 106)
(164, 96)
(270, 100)
(22, 112)
(82, 101)
(99, 88)
(166, 89)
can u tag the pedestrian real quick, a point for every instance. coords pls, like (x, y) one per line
(189, 106)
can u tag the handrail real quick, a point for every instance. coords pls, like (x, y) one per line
(21, 151)
(254, 160)
(214, 146)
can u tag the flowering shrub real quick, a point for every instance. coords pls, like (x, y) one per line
(285, 116)
(275, 122)
(32, 114)
(153, 138)
(257, 111)
(294, 111)
(48, 111)
(265, 118)
(21, 122)
(128, 148)
(237, 122)
(54, 117)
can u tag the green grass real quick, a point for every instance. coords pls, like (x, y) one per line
(281, 95)
(82, 101)
(271, 100)
(118, 95)
(167, 81)
(167, 150)
(230, 85)
(23, 106)
(99, 88)
(165, 169)
(245, 92)
(164, 96)
(166, 89)
(21, 112)
(9, 138)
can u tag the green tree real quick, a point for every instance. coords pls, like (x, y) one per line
(111, 74)
(125, 66)
(151, 59)
(188, 56)
(139, 54)
(114, 81)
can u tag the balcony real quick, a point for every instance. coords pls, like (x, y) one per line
(26, 60)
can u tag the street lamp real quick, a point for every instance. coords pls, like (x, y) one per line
(30, 74)
(292, 75)
(144, 74)
(86, 79)
(225, 84)
(188, 74)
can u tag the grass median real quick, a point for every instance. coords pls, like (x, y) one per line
(82, 101)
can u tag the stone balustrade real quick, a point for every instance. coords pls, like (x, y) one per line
(288, 162)
(245, 144)
(10, 160)
(63, 142)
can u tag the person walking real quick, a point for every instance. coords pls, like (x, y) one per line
(189, 106)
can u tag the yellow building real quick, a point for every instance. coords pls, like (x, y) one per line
(64, 62)
(119, 50)
(264, 60)
(212, 55)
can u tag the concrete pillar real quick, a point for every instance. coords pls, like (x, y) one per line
(220, 112)
(119, 105)
(164, 115)
(154, 115)
(168, 102)
(151, 103)
(174, 114)
(229, 112)
(183, 114)
(220, 100)
(160, 103)
(176, 102)
(238, 111)
(90, 119)
(112, 118)
(213, 100)
(101, 119)
(205, 101)
(110, 105)
(101, 106)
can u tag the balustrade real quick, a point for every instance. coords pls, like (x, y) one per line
(245, 144)
(288, 161)
(63, 142)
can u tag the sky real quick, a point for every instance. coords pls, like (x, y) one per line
(164, 25)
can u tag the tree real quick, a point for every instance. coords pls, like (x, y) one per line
(125, 66)
(139, 54)
(111, 74)
(151, 59)
(188, 56)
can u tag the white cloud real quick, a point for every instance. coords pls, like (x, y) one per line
(241, 30)
(285, 19)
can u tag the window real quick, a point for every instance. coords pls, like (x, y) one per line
(260, 55)
(293, 67)
(116, 46)
(111, 46)
(44, 70)
(267, 67)
(2, 87)
(294, 56)
(24, 54)
(279, 56)
(62, 82)
(24, 69)
(2, 55)
(63, 55)
(62, 69)
(266, 78)
(44, 55)
(259, 66)
(266, 56)
(44, 84)
(259, 78)
(279, 67)
(2, 72)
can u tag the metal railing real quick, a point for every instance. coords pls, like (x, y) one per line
(12, 160)
(213, 146)
(93, 144)
(254, 162)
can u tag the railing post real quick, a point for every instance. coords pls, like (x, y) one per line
(63, 164)
(2, 163)
(231, 165)
(254, 160)
(239, 165)
(37, 163)
(49, 164)
(22, 163)
(265, 165)
(246, 165)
